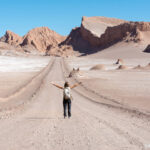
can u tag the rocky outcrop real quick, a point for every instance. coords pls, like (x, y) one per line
(64, 51)
(92, 28)
(120, 62)
(11, 38)
(42, 38)
(87, 36)
(76, 40)
(6, 46)
(147, 49)
(138, 67)
(101, 32)
(122, 67)
(74, 72)
(106, 31)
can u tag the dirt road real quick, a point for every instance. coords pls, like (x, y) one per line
(39, 124)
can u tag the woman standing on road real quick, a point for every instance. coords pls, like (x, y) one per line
(66, 96)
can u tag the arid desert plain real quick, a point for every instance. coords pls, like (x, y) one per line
(111, 106)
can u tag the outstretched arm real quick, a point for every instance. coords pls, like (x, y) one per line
(60, 87)
(75, 85)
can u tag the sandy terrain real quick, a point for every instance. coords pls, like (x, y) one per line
(129, 87)
(16, 72)
(123, 50)
(33, 118)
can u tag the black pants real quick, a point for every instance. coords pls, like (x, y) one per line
(67, 103)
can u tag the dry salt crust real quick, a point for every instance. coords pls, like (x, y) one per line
(15, 72)
(22, 64)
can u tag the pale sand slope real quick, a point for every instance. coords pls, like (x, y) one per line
(129, 87)
(15, 72)
(123, 50)
(39, 124)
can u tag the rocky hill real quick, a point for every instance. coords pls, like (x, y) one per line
(11, 38)
(101, 32)
(42, 39)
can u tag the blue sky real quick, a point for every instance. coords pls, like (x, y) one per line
(20, 16)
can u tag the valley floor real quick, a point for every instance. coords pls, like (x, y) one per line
(33, 117)
(129, 87)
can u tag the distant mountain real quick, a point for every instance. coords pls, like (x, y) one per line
(41, 39)
(94, 34)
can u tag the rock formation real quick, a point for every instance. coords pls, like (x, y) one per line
(147, 66)
(6, 46)
(147, 49)
(120, 61)
(94, 34)
(93, 28)
(138, 67)
(42, 38)
(101, 32)
(76, 40)
(64, 51)
(122, 67)
(11, 38)
(74, 72)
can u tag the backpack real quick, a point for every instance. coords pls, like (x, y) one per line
(67, 94)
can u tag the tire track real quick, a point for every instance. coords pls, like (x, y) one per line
(91, 127)
(118, 106)
(11, 104)
(132, 140)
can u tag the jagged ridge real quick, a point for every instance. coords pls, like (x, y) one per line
(41, 38)
(96, 32)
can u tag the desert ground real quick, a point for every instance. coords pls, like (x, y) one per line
(111, 106)
(110, 109)
(129, 86)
